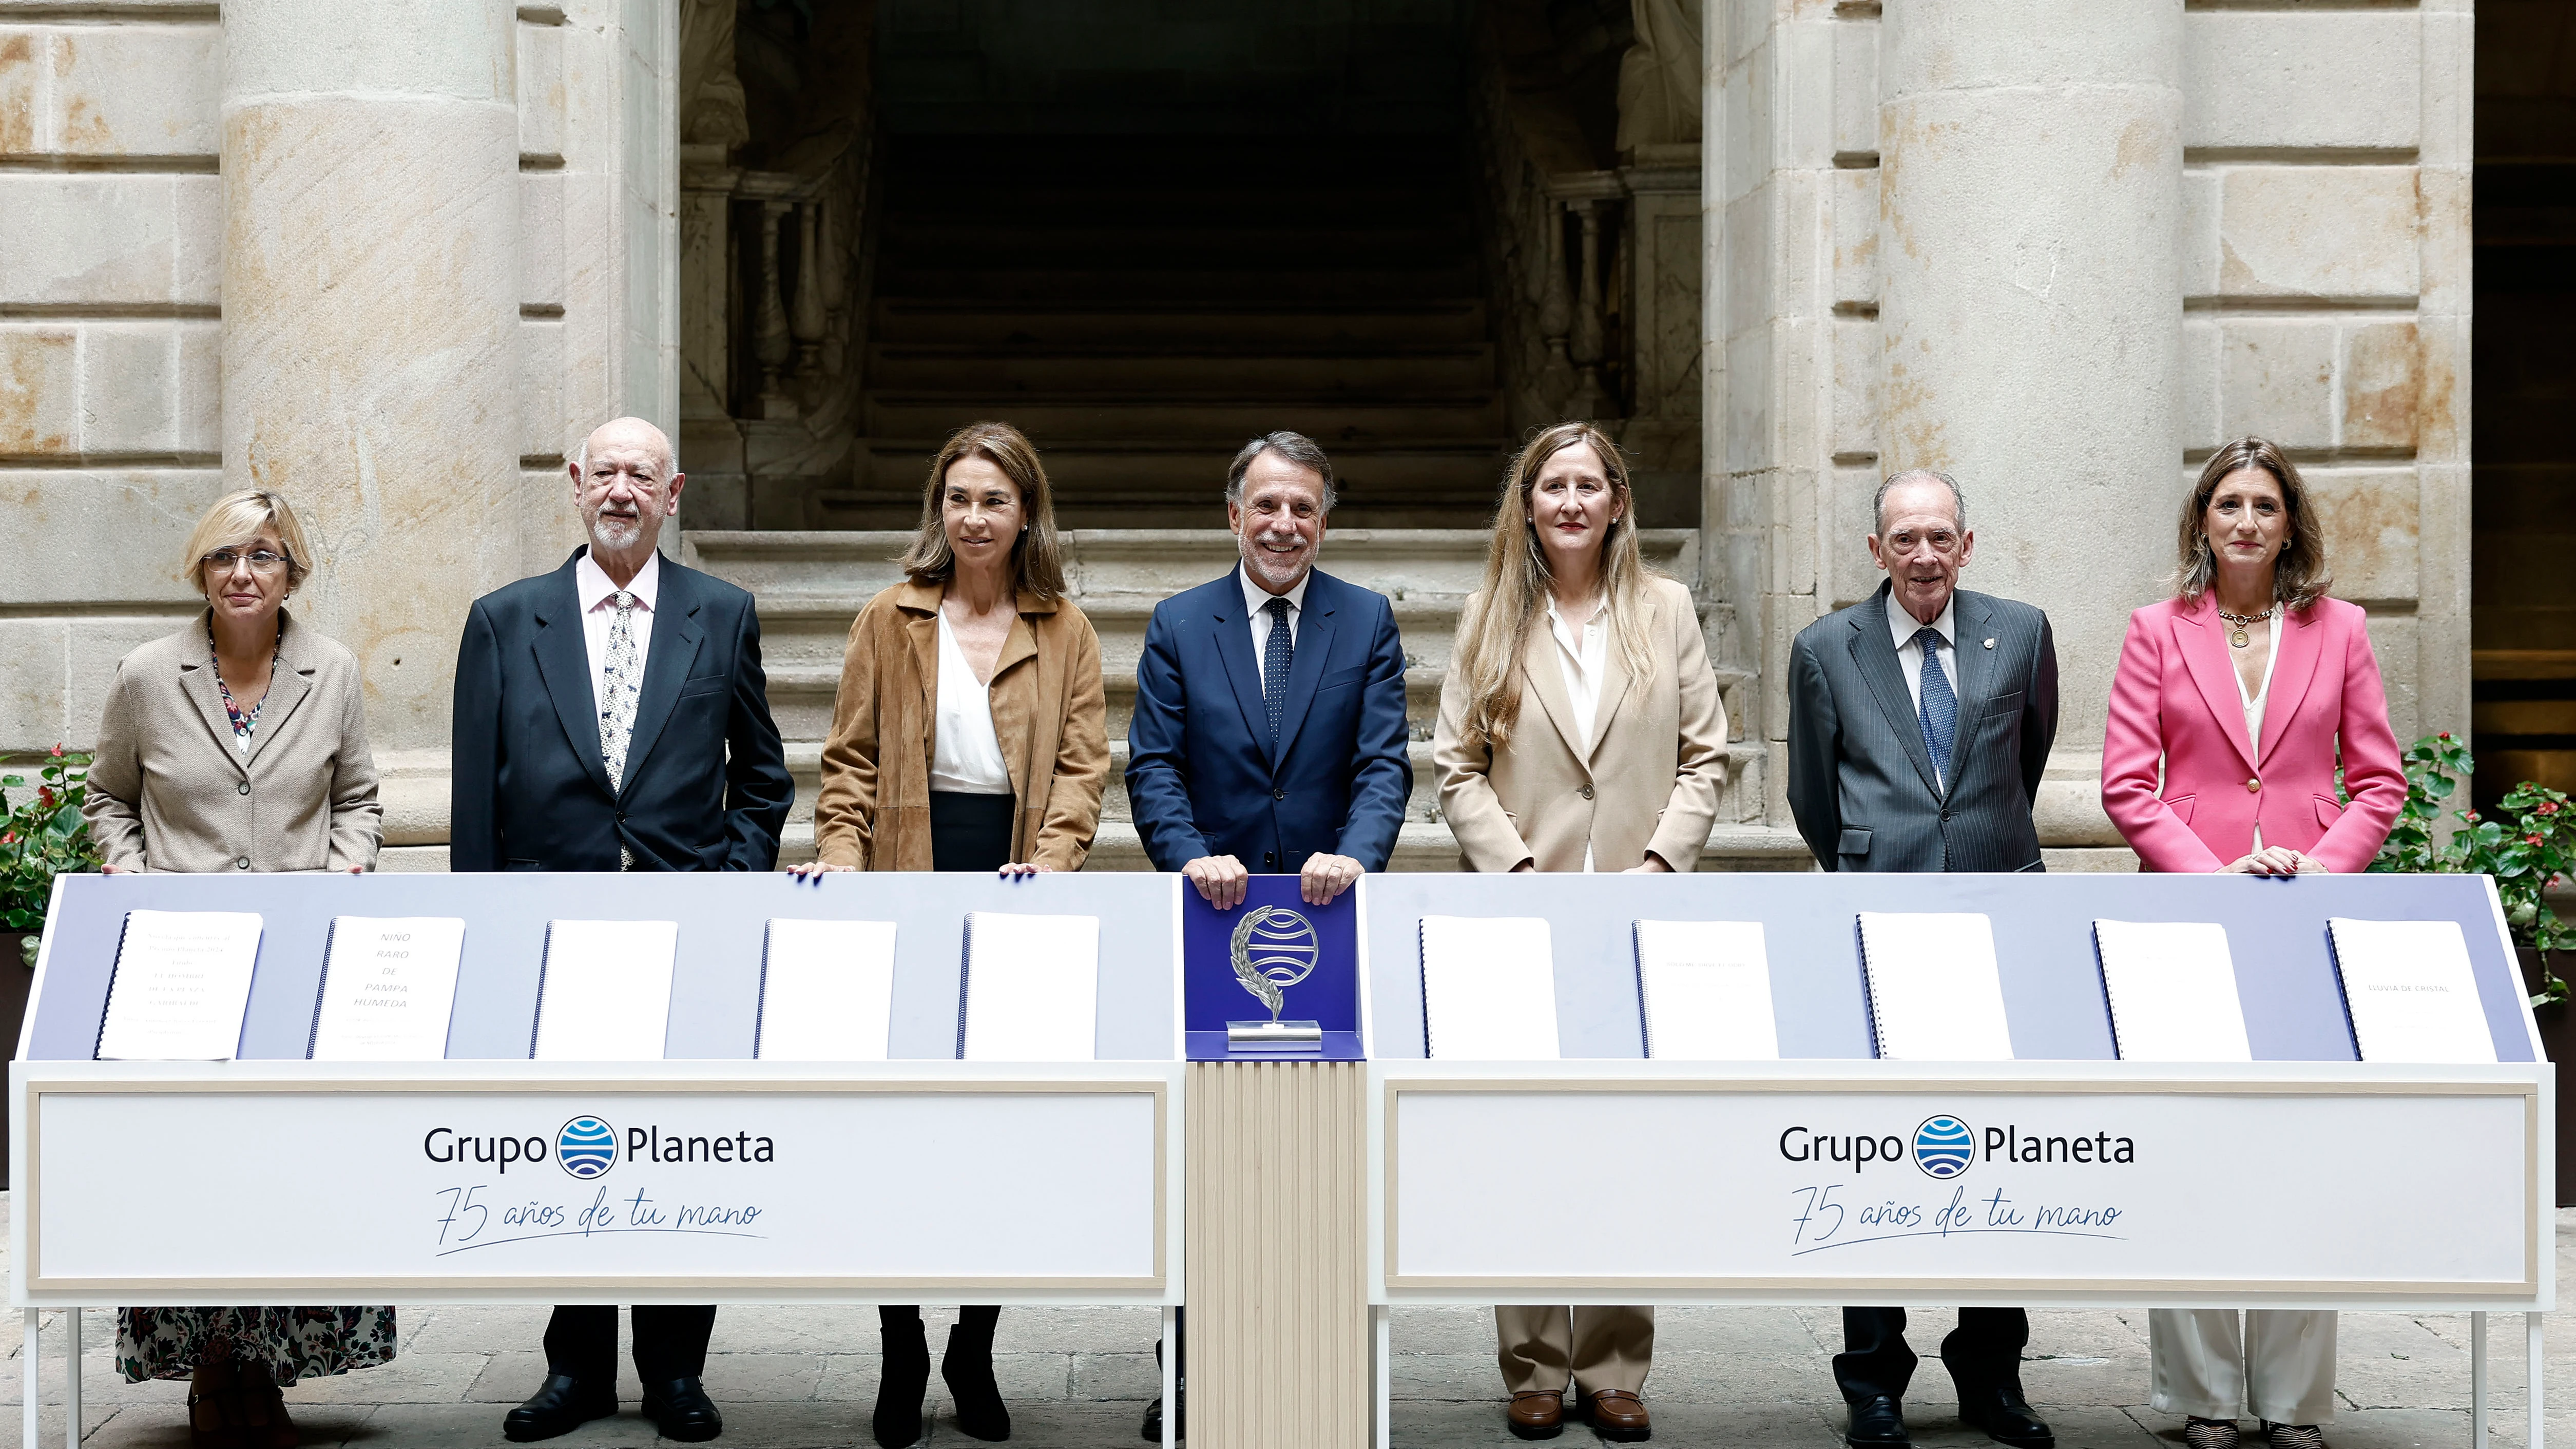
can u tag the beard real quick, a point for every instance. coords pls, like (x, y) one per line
(615, 535)
(1281, 569)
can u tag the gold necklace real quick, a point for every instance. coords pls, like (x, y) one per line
(2244, 622)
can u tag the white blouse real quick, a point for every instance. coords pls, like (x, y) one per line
(965, 756)
(1583, 660)
(2255, 702)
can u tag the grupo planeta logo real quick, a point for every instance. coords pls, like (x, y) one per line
(587, 1147)
(1943, 1146)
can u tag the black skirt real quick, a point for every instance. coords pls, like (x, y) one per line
(970, 832)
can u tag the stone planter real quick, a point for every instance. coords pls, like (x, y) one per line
(2558, 1040)
(15, 978)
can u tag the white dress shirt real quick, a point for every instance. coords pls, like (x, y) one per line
(965, 754)
(598, 611)
(1903, 627)
(1256, 600)
(1582, 659)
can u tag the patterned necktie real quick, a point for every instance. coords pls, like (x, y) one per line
(1940, 714)
(621, 680)
(1275, 659)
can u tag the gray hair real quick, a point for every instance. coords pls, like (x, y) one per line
(1958, 500)
(1297, 448)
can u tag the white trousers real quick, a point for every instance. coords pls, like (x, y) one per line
(2281, 1368)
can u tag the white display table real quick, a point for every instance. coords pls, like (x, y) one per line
(1835, 1178)
(704, 1177)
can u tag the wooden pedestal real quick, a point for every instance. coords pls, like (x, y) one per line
(1276, 1264)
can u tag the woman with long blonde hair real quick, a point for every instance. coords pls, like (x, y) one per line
(1580, 729)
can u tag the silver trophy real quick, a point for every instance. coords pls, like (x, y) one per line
(1274, 949)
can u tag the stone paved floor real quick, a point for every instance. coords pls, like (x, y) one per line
(803, 1378)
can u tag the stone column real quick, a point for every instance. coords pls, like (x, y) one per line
(371, 317)
(2031, 315)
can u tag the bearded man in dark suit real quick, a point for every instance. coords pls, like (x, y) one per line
(612, 715)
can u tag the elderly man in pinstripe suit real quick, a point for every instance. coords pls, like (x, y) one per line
(1919, 722)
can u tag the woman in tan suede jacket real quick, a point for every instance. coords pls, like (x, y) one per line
(969, 733)
(1039, 663)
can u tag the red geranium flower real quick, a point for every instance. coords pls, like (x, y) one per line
(2535, 840)
(2473, 817)
(2548, 807)
(2446, 734)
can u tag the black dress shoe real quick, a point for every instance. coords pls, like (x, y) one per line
(682, 1411)
(1877, 1423)
(1153, 1427)
(2005, 1418)
(560, 1405)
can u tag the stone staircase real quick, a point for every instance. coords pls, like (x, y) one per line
(811, 584)
(1142, 305)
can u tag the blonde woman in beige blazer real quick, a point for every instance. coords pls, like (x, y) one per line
(1616, 768)
(237, 745)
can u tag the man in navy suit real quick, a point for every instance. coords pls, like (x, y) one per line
(612, 715)
(1269, 728)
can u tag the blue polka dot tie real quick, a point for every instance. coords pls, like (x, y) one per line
(1276, 655)
(1940, 712)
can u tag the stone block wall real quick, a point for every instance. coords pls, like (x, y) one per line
(2315, 281)
(114, 407)
(110, 264)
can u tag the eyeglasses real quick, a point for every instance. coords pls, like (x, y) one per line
(261, 561)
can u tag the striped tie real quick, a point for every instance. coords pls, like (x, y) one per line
(1940, 715)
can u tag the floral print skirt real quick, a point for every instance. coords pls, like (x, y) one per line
(295, 1343)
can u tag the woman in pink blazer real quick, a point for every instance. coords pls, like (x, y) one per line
(2249, 688)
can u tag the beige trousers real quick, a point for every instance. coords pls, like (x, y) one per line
(2282, 1369)
(1599, 1348)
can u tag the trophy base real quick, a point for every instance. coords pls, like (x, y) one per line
(1274, 1036)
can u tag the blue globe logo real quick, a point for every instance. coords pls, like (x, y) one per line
(1943, 1146)
(586, 1147)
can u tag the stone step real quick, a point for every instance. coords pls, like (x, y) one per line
(1177, 371)
(1214, 282)
(1107, 565)
(1424, 847)
(1167, 322)
(811, 585)
(1152, 508)
(1118, 241)
(1089, 469)
(805, 762)
(1463, 415)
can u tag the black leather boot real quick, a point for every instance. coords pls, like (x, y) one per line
(967, 1368)
(903, 1377)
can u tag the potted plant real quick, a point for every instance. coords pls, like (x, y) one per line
(2527, 843)
(42, 835)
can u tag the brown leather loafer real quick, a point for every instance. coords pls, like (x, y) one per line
(1537, 1414)
(1617, 1415)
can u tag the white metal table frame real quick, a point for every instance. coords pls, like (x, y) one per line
(1388, 1078)
(588, 1082)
